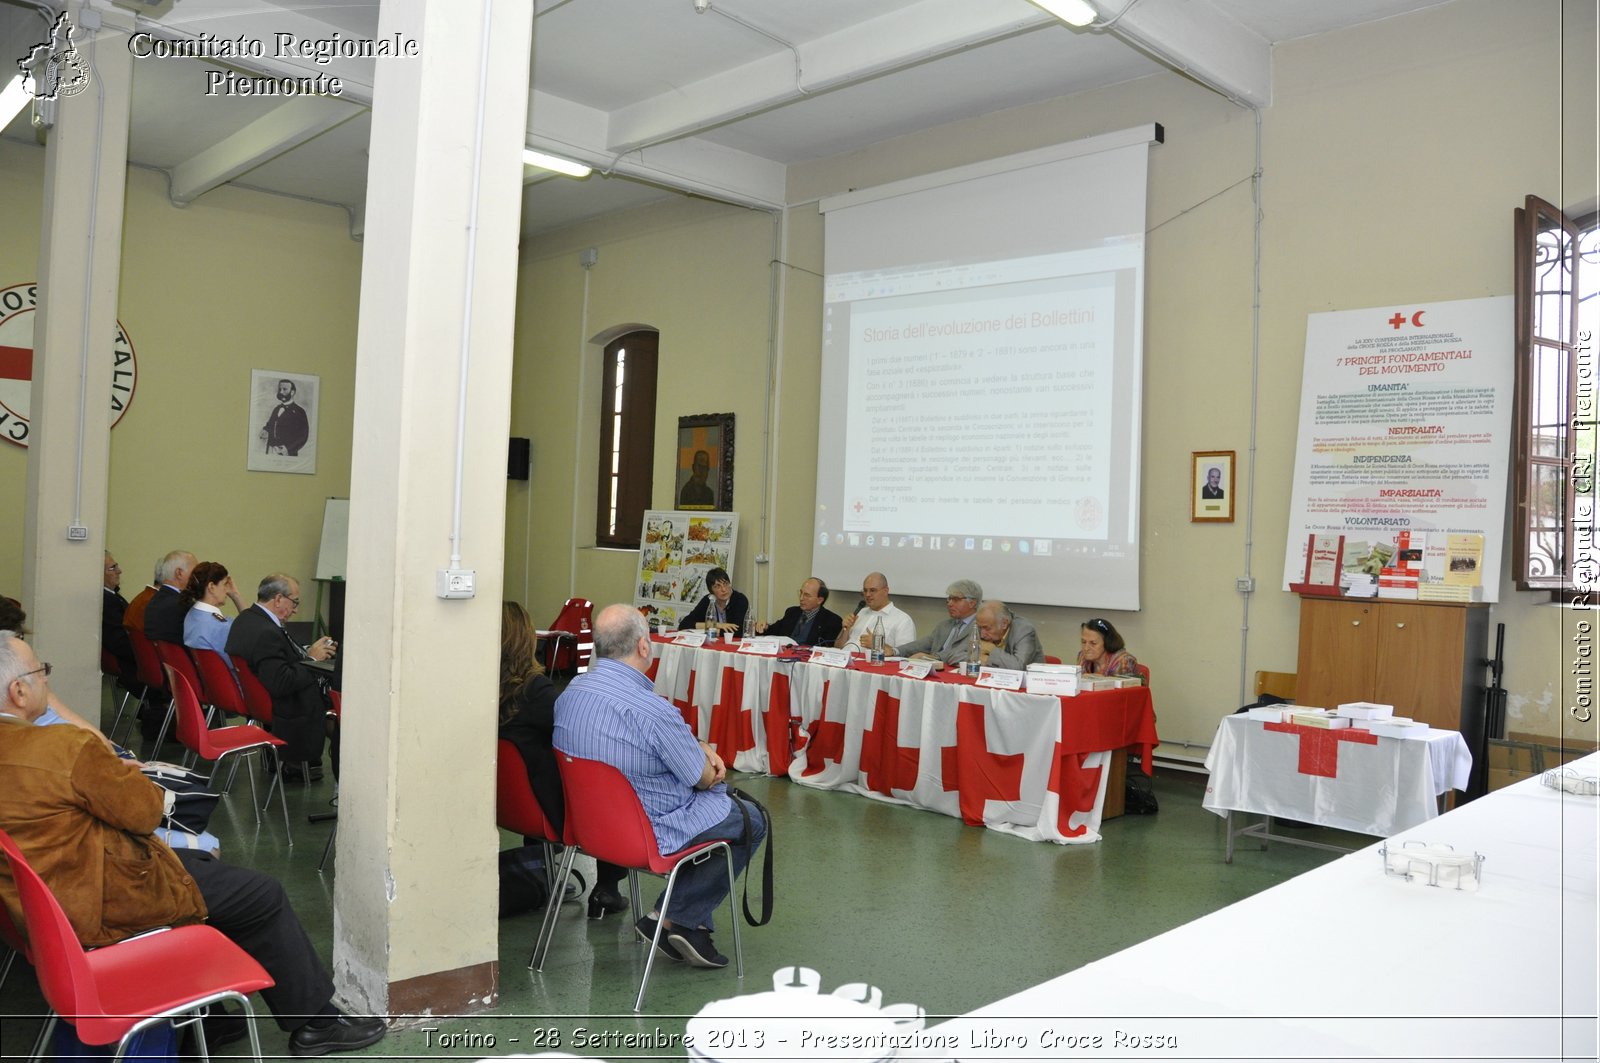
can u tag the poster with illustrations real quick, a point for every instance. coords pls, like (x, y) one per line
(678, 549)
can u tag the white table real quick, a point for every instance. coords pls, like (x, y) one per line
(1345, 778)
(1345, 962)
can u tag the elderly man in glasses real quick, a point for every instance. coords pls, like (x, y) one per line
(299, 706)
(950, 639)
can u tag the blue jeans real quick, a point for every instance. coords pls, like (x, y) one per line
(702, 887)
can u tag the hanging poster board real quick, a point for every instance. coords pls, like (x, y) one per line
(1405, 422)
(677, 550)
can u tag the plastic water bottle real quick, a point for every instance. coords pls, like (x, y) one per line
(971, 667)
(876, 656)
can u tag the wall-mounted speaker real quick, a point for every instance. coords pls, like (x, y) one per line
(517, 459)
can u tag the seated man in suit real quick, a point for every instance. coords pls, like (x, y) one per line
(163, 617)
(950, 639)
(83, 819)
(811, 623)
(113, 636)
(1005, 639)
(299, 707)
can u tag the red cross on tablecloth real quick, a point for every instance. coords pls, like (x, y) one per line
(686, 706)
(827, 738)
(887, 764)
(1319, 746)
(731, 729)
(977, 774)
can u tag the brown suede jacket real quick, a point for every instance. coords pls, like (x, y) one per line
(83, 819)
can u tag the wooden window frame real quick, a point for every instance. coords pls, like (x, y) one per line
(1550, 249)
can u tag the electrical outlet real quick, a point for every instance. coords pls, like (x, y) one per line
(457, 583)
(77, 533)
(1245, 585)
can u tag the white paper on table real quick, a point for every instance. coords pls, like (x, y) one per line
(916, 669)
(829, 657)
(767, 647)
(689, 638)
(1001, 678)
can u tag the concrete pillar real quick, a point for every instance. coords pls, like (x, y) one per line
(69, 438)
(415, 925)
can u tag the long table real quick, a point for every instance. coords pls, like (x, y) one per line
(1036, 767)
(1347, 778)
(1347, 962)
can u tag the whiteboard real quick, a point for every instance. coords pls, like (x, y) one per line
(335, 536)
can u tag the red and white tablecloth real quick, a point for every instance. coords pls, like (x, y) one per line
(1019, 763)
(1347, 778)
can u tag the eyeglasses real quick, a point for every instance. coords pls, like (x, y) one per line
(293, 599)
(46, 668)
(959, 598)
(113, 567)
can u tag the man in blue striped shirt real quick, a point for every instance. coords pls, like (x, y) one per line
(611, 713)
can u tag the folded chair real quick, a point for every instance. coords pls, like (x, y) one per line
(605, 819)
(569, 642)
(112, 993)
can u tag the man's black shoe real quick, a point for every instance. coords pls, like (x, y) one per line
(646, 929)
(344, 1034)
(605, 900)
(695, 946)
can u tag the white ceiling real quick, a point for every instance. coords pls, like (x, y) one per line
(665, 100)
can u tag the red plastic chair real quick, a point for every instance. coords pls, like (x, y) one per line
(149, 666)
(257, 702)
(605, 819)
(517, 809)
(1051, 660)
(569, 641)
(217, 685)
(111, 668)
(1144, 672)
(175, 657)
(215, 745)
(113, 993)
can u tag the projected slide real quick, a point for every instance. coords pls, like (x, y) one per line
(981, 377)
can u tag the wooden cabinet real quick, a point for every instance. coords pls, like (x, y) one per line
(1424, 658)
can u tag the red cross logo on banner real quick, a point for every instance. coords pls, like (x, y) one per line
(731, 729)
(1319, 746)
(976, 773)
(888, 765)
(827, 738)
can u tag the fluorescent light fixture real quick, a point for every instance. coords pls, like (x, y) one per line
(1072, 12)
(555, 162)
(13, 98)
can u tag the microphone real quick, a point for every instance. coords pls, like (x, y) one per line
(862, 604)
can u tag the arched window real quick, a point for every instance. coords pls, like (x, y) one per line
(627, 438)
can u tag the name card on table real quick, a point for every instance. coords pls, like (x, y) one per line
(1001, 678)
(690, 638)
(829, 657)
(916, 669)
(764, 645)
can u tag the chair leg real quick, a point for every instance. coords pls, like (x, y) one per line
(655, 942)
(328, 848)
(635, 898)
(122, 706)
(733, 914)
(43, 1040)
(552, 911)
(133, 719)
(283, 799)
(161, 735)
(5, 967)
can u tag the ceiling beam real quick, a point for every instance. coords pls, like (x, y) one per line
(1196, 39)
(892, 41)
(282, 129)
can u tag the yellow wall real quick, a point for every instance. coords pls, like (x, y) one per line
(236, 281)
(1393, 155)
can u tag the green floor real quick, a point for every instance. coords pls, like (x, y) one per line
(933, 912)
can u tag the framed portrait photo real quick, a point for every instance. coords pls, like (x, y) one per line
(282, 432)
(703, 477)
(1211, 486)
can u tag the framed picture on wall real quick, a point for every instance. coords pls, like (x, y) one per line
(704, 470)
(282, 432)
(1211, 486)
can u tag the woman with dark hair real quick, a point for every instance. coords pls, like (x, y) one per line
(527, 720)
(204, 626)
(1102, 651)
(723, 606)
